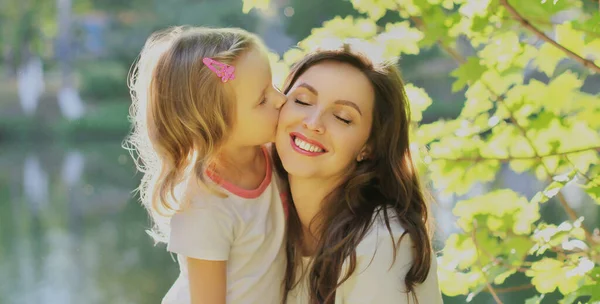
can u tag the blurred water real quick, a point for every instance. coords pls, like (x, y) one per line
(70, 232)
(30, 84)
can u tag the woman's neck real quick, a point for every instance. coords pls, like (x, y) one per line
(308, 195)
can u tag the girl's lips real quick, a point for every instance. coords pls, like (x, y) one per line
(293, 135)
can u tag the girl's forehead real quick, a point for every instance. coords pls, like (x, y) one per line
(252, 74)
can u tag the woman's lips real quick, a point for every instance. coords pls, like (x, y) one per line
(295, 137)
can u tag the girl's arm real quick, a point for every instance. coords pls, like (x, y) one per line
(208, 281)
(204, 236)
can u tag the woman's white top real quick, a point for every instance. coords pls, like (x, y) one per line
(376, 279)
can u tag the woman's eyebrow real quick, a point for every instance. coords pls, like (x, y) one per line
(349, 104)
(308, 87)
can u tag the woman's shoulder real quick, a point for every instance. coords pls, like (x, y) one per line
(382, 258)
(383, 235)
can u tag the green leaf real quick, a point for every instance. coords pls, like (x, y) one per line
(592, 50)
(399, 38)
(335, 32)
(544, 10)
(419, 101)
(474, 8)
(516, 247)
(293, 55)
(461, 249)
(535, 299)
(454, 283)
(592, 188)
(548, 58)
(375, 9)
(478, 101)
(502, 204)
(498, 83)
(499, 279)
(551, 190)
(548, 274)
(437, 29)
(501, 50)
(258, 4)
(565, 235)
(467, 73)
(592, 288)
(428, 133)
(459, 176)
(561, 92)
(570, 38)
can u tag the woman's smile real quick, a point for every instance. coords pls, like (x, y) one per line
(306, 146)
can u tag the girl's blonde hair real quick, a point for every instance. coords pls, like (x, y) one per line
(181, 112)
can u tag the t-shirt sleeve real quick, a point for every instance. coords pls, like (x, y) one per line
(377, 280)
(204, 233)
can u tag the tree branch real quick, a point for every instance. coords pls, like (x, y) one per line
(550, 23)
(572, 214)
(452, 52)
(511, 158)
(526, 24)
(514, 288)
(487, 283)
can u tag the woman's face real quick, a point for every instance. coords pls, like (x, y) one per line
(326, 122)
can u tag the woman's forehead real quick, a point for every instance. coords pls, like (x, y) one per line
(337, 80)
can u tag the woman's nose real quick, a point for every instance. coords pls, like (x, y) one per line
(313, 122)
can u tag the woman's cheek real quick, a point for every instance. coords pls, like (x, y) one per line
(289, 114)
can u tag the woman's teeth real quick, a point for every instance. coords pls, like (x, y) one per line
(306, 146)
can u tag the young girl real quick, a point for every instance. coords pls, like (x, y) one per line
(203, 106)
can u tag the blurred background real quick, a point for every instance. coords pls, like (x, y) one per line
(71, 230)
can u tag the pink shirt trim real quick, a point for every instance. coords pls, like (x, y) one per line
(241, 192)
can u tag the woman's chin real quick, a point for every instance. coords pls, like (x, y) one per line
(299, 169)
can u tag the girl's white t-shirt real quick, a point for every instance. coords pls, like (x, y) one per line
(376, 279)
(246, 229)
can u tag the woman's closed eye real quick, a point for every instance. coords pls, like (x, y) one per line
(302, 102)
(346, 121)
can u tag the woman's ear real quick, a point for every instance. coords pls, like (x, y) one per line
(365, 153)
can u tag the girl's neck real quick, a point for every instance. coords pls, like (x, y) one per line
(244, 167)
(308, 194)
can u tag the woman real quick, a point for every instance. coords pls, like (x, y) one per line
(358, 220)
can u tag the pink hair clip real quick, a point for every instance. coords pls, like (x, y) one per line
(222, 70)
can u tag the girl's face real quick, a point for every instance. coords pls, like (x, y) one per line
(325, 125)
(257, 101)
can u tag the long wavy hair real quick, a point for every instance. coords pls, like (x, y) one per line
(386, 184)
(181, 112)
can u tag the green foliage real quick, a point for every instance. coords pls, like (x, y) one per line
(103, 121)
(548, 128)
(305, 17)
(104, 81)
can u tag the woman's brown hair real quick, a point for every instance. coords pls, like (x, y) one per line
(384, 185)
(181, 112)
